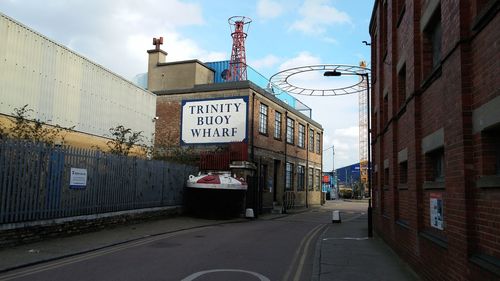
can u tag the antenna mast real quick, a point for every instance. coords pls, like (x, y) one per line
(238, 63)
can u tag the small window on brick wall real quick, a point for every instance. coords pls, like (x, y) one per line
(432, 44)
(386, 177)
(401, 86)
(491, 152)
(310, 176)
(434, 163)
(289, 176)
(300, 177)
(385, 111)
(403, 172)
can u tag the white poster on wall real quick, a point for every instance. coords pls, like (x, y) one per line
(436, 204)
(214, 121)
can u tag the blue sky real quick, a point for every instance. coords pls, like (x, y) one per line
(283, 34)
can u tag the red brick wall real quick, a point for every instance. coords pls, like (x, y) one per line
(441, 98)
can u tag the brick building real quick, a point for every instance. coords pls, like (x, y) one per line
(436, 135)
(284, 144)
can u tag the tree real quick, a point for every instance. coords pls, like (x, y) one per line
(124, 140)
(32, 129)
(168, 148)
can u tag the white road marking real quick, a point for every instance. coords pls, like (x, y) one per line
(201, 273)
(346, 238)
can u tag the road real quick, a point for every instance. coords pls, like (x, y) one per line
(264, 249)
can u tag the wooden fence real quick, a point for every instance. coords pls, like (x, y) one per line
(35, 182)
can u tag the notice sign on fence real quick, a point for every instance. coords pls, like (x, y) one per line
(78, 178)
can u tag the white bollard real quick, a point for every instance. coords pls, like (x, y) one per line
(336, 217)
(249, 213)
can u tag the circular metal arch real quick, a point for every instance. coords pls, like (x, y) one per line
(281, 80)
(234, 19)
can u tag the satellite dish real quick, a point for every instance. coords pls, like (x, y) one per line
(225, 75)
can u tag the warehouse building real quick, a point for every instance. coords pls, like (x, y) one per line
(63, 88)
(435, 135)
(198, 109)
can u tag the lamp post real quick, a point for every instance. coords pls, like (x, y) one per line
(365, 76)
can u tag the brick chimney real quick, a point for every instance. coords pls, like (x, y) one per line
(156, 57)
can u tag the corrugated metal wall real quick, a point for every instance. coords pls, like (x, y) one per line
(65, 88)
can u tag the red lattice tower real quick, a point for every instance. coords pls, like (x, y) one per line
(238, 63)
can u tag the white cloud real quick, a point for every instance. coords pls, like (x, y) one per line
(317, 15)
(302, 59)
(351, 132)
(115, 34)
(268, 61)
(269, 9)
(330, 40)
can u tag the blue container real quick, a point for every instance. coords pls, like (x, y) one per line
(221, 68)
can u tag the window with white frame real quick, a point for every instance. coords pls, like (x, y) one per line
(318, 143)
(289, 176)
(290, 130)
(301, 173)
(277, 125)
(311, 140)
(302, 136)
(263, 118)
(310, 178)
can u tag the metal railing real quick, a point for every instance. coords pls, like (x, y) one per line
(35, 182)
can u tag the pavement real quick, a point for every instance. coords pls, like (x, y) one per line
(343, 252)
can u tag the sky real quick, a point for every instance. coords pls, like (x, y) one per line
(283, 34)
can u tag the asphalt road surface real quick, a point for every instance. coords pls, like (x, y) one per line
(264, 249)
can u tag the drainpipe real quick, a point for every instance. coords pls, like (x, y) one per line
(252, 149)
(284, 178)
(307, 163)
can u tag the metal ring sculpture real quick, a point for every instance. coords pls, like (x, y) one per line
(281, 80)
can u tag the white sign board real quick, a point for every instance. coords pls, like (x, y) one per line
(214, 121)
(436, 204)
(78, 178)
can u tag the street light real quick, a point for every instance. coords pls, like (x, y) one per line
(365, 76)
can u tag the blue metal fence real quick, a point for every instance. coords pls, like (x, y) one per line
(35, 182)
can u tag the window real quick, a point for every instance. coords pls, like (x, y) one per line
(385, 110)
(277, 125)
(402, 86)
(318, 143)
(385, 30)
(318, 180)
(400, 6)
(310, 177)
(435, 165)
(263, 119)
(289, 176)
(432, 42)
(290, 130)
(302, 135)
(300, 177)
(386, 177)
(311, 140)
(403, 172)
